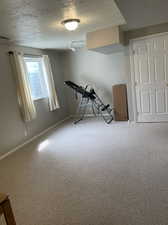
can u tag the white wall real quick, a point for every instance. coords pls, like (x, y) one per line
(101, 71)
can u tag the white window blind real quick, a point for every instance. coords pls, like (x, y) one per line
(36, 77)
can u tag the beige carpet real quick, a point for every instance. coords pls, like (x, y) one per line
(91, 174)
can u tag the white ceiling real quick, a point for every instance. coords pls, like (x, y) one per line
(37, 23)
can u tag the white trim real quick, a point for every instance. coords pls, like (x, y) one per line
(32, 139)
(134, 103)
(147, 36)
(88, 115)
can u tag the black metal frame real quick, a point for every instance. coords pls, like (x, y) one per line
(90, 97)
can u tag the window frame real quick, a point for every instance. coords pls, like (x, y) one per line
(34, 58)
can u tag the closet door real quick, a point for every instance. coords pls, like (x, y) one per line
(150, 62)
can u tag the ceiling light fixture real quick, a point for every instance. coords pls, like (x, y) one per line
(71, 24)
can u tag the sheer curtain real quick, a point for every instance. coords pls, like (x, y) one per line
(26, 102)
(52, 95)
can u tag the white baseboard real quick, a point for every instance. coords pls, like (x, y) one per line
(87, 115)
(33, 138)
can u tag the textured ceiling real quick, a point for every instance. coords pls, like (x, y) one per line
(142, 13)
(37, 23)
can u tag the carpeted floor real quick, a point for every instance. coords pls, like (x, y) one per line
(91, 174)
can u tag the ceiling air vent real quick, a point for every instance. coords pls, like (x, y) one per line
(75, 45)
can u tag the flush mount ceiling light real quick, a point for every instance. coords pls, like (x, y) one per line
(71, 24)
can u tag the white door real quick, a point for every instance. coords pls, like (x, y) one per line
(150, 64)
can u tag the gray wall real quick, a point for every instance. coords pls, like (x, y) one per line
(101, 71)
(142, 32)
(83, 67)
(143, 13)
(12, 128)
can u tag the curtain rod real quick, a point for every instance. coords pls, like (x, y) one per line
(26, 54)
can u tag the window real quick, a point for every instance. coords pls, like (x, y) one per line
(36, 77)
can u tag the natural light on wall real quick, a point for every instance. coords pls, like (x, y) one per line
(43, 145)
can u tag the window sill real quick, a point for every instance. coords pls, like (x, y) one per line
(40, 99)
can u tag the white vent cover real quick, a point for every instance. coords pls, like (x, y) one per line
(75, 45)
